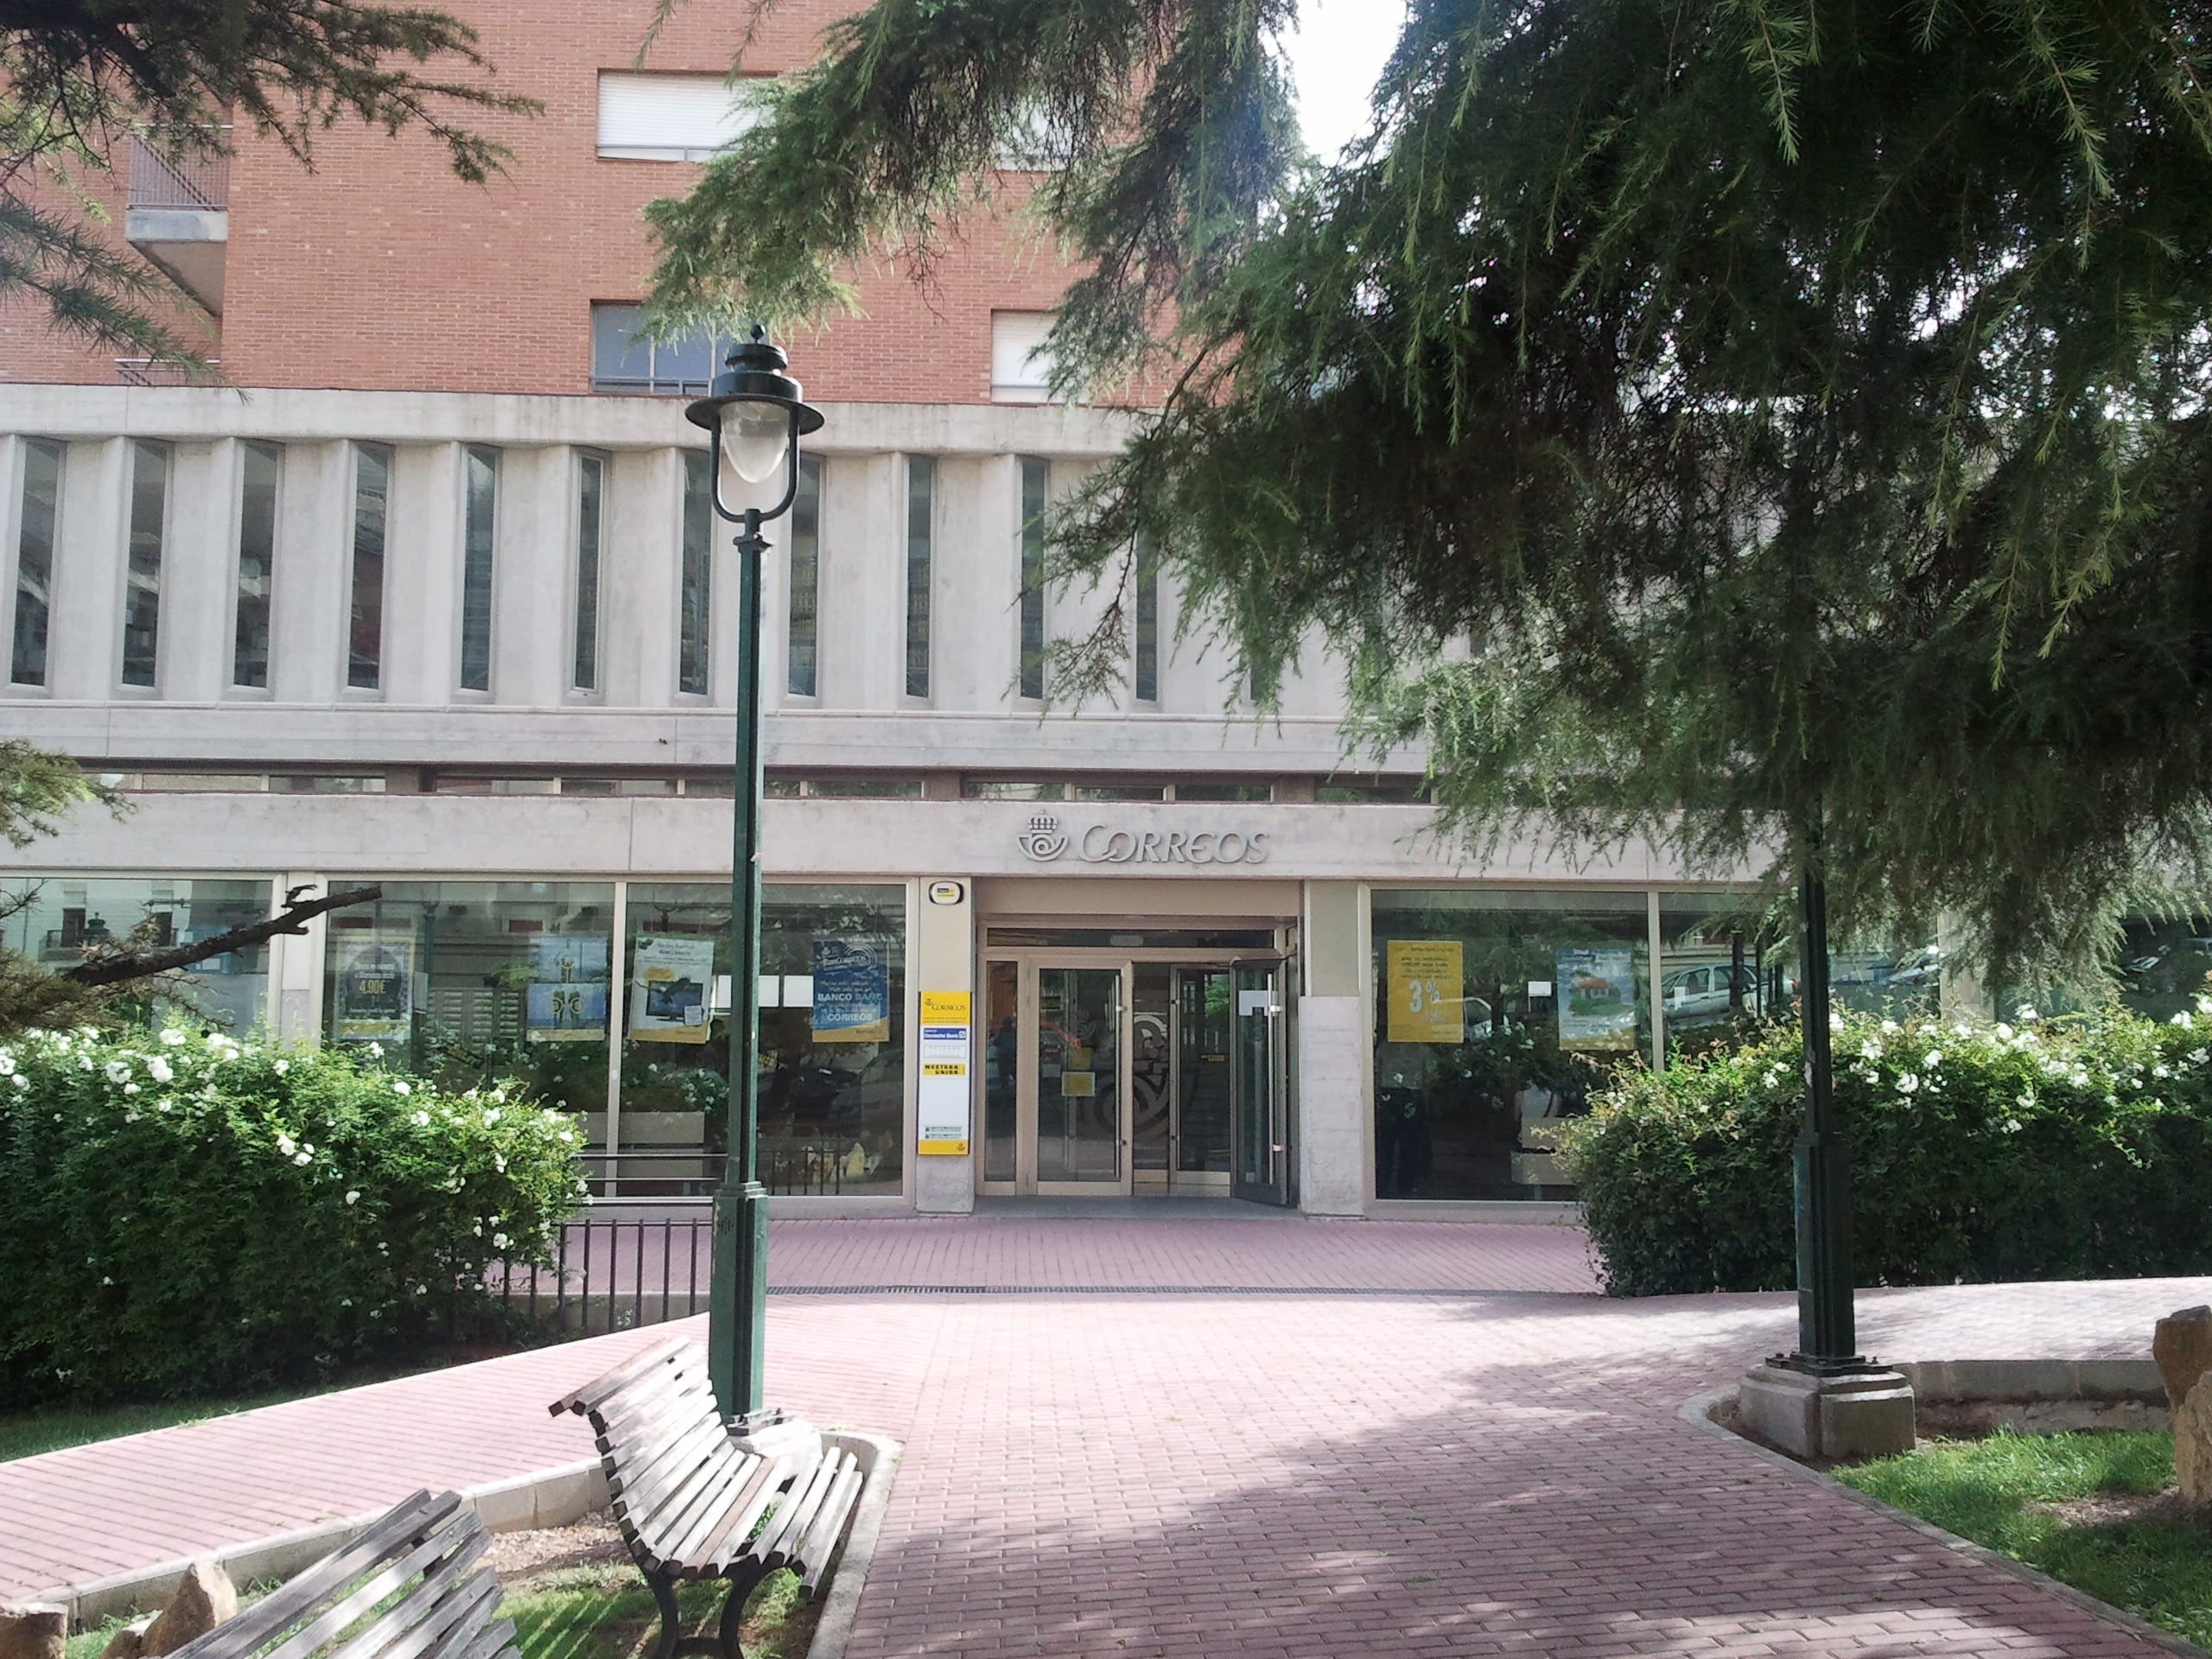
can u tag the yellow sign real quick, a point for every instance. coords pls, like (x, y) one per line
(1427, 999)
(945, 1008)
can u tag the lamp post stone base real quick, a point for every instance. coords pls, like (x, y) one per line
(1855, 1413)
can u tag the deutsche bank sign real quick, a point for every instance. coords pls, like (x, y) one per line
(1044, 841)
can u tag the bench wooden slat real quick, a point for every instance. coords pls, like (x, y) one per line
(278, 1610)
(448, 1547)
(678, 1400)
(490, 1641)
(649, 1470)
(410, 1630)
(724, 1535)
(819, 1548)
(788, 1525)
(596, 1391)
(673, 1483)
(661, 1530)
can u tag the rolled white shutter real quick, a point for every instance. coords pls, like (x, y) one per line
(668, 117)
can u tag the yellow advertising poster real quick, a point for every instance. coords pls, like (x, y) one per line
(1425, 981)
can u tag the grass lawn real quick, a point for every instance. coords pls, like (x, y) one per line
(48, 1428)
(2086, 1508)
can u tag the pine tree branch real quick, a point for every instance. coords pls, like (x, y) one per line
(124, 966)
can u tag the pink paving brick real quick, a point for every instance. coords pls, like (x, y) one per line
(1200, 1474)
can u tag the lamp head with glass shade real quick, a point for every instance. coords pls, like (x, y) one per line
(757, 414)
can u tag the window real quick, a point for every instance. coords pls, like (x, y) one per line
(785, 788)
(623, 359)
(1034, 477)
(591, 484)
(469, 982)
(1013, 789)
(1147, 604)
(35, 532)
(1374, 792)
(480, 482)
(1224, 791)
(365, 635)
(1020, 367)
(832, 1039)
(142, 582)
(670, 117)
(800, 677)
(61, 914)
(921, 489)
(260, 468)
(1498, 1015)
(694, 595)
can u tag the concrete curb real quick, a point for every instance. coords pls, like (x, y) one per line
(2013, 1381)
(550, 1497)
(879, 1460)
(1698, 1413)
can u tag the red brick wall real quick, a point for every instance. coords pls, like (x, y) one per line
(381, 270)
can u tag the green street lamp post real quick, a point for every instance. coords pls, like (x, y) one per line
(756, 416)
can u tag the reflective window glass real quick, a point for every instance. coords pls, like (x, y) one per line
(142, 581)
(1497, 1015)
(365, 634)
(35, 532)
(261, 466)
(64, 917)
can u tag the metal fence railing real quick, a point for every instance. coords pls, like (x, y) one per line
(607, 1273)
(790, 1166)
(163, 175)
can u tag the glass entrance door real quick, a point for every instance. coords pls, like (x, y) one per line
(1260, 1106)
(1083, 1137)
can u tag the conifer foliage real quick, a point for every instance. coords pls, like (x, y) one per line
(1778, 428)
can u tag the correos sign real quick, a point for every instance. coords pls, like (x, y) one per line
(1100, 844)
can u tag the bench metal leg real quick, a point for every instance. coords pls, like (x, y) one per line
(723, 1644)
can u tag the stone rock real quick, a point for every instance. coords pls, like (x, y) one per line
(130, 1642)
(33, 1629)
(205, 1597)
(2183, 1347)
(2193, 1445)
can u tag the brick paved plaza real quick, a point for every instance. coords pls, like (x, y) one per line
(1475, 1464)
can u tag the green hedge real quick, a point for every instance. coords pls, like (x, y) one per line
(2076, 1149)
(181, 1212)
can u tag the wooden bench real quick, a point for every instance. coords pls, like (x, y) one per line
(692, 1504)
(421, 1551)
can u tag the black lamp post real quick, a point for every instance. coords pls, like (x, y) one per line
(756, 417)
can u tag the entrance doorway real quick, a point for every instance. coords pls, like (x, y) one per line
(1106, 1074)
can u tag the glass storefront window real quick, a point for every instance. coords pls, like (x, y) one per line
(1496, 1013)
(469, 982)
(63, 914)
(833, 1036)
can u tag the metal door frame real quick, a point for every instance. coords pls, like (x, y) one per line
(1278, 1189)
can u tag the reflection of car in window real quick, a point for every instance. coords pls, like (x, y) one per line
(1923, 967)
(1708, 991)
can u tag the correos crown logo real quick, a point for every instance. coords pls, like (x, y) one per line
(1042, 840)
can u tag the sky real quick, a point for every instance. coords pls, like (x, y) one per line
(1336, 56)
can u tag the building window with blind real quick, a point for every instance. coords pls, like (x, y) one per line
(1035, 476)
(921, 493)
(142, 582)
(261, 466)
(591, 487)
(649, 116)
(480, 485)
(364, 629)
(694, 594)
(800, 678)
(1147, 609)
(37, 516)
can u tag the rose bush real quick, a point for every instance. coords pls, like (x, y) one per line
(182, 1211)
(2074, 1148)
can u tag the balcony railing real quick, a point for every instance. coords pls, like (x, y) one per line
(195, 180)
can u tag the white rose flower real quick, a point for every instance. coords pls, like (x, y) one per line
(400, 1088)
(1889, 1028)
(20, 1081)
(304, 1158)
(1932, 1059)
(172, 1038)
(2004, 1032)
(1835, 1021)
(285, 1144)
(158, 1070)
(118, 1071)
(375, 1050)
(491, 1117)
(352, 1196)
(499, 1241)
(130, 1088)
(1870, 1050)
(282, 1067)
(1907, 1084)
(2012, 1126)
(2026, 1016)
(421, 1120)
(6, 1063)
